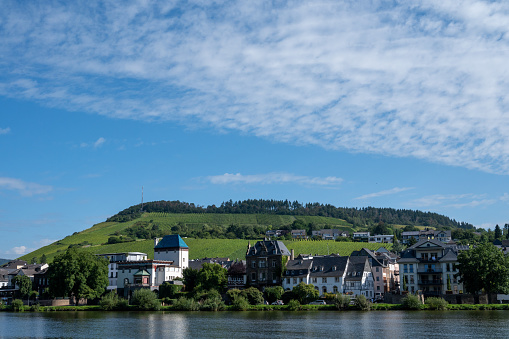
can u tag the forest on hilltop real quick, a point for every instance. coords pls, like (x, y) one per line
(358, 217)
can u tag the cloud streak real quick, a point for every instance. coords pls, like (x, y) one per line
(5, 130)
(455, 200)
(419, 79)
(24, 188)
(394, 190)
(273, 178)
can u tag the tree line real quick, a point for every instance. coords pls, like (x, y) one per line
(359, 217)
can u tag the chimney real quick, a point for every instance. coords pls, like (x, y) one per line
(292, 254)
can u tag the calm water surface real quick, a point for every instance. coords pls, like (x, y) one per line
(324, 324)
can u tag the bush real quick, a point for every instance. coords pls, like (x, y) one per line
(362, 303)
(145, 299)
(411, 302)
(184, 304)
(435, 303)
(293, 305)
(273, 293)
(17, 305)
(342, 301)
(233, 294)
(213, 304)
(122, 304)
(253, 295)
(167, 290)
(109, 301)
(240, 303)
(35, 308)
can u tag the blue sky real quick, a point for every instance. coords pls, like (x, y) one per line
(364, 103)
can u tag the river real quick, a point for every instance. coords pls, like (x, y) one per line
(268, 324)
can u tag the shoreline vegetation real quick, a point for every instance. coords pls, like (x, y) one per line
(328, 307)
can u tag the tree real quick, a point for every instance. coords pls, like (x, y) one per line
(78, 274)
(498, 232)
(273, 293)
(484, 268)
(44, 260)
(305, 293)
(167, 290)
(145, 299)
(252, 295)
(190, 278)
(212, 276)
(25, 285)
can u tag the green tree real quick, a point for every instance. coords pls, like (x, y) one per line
(78, 274)
(24, 284)
(273, 293)
(190, 278)
(212, 276)
(498, 232)
(253, 295)
(167, 290)
(484, 267)
(44, 260)
(305, 293)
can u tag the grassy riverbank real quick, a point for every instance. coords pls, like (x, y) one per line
(374, 307)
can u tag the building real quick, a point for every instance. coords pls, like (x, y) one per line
(443, 236)
(197, 264)
(171, 257)
(384, 268)
(381, 238)
(299, 234)
(430, 266)
(361, 236)
(329, 234)
(114, 259)
(264, 263)
(237, 277)
(331, 274)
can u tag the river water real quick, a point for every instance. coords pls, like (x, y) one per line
(267, 324)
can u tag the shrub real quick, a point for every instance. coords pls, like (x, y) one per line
(122, 304)
(17, 305)
(213, 304)
(362, 303)
(273, 293)
(167, 290)
(240, 303)
(411, 302)
(184, 304)
(342, 301)
(145, 299)
(435, 303)
(293, 305)
(233, 294)
(35, 308)
(109, 301)
(253, 295)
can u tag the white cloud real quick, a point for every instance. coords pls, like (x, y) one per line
(20, 250)
(43, 242)
(5, 130)
(24, 188)
(453, 200)
(273, 178)
(386, 192)
(504, 197)
(418, 79)
(99, 142)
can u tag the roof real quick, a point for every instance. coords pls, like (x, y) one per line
(432, 241)
(171, 241)
(268, 247)
(142, 272)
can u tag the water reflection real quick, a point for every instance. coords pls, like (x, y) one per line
(381, 324)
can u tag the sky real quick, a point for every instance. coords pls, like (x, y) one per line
(400, 104)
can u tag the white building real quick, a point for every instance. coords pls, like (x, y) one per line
(114, 259)
(381, 238)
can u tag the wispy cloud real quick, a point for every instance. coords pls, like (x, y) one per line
(453, 200)
(96, 144)
(24, 188)
(273, 178)
(5, 130)
(382, 193)
(22, 250)
(414, 79)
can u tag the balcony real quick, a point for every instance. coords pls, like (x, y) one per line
(430, 282)
(428, 260)
(429, 270)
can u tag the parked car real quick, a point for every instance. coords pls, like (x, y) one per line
(278, 302)
(318, 302)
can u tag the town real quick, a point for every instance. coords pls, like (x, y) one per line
(429, 267)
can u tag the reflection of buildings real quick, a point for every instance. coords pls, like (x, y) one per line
(171, 257)
(429, 266)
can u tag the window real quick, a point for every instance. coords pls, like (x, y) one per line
(294, 280)
(324, 280)
(411, 268)
(301, 279)
(378, 288)
(377, 269)
(405, 268)
(377, 278)
(288, 280)
(335, 289)
(314, 280)
(273, 263)
(411, 279)
(336, 279)
(324, 289)
(253, 264)
(253, 276)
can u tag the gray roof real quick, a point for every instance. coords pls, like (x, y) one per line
(268, 247)
(356, 268)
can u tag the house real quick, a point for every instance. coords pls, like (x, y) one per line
(275, 233)
(264, 263)
(330, 274)
(197, 264)
(443, 236)
(384, 268)
(329, 234)
(171, 257)
(114, 259)
(381, 238)
(361, 236)
(430, 266)
(299, 234)
(237, 277)
(406, 236)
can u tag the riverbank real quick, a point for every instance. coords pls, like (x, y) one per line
(374, 307)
